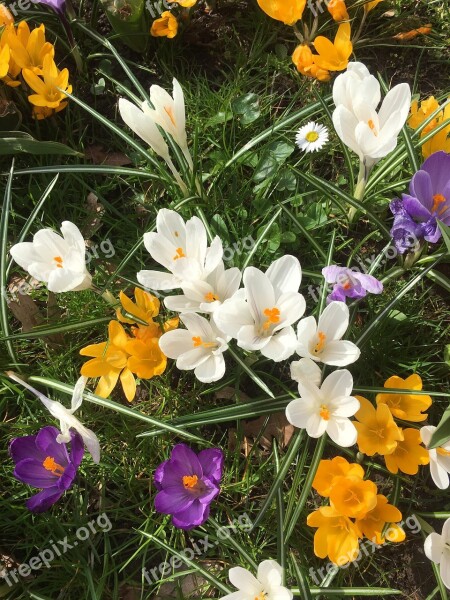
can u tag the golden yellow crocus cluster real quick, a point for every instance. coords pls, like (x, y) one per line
(167, 24)
(26, 56)
(424, 110)
(131, 352)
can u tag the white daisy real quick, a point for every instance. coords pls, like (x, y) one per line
(311, 137)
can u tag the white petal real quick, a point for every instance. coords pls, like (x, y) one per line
(77, 394)
(397, 99)
(345, 124)
(292, 306)
(175, 343)
(439, 475)
(158, 280)
(305, 368)
(249, 338)
(333, 322)
(259, 293)
(232, 315)
(285, 274)
(338, 383)
(298, 412)
(270, 574)
(181, 304)
(316, 426)
(198, 326)
(171, 225)
(24, 254)
(193, 358)
(73, 237)
(281, 345)
(344, 406)
(342, 432)
(244, 581)
(306, 330)
(214, 255)
(211, 370)
(425, 434)
(63, 280)
(340, 353)
(143, 126)
(444, 570)
(434, 546)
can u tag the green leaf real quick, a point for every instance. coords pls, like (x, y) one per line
(247, 107)
(16, 142)
(445, 229)
(447, 354)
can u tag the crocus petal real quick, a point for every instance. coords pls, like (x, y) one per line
(340, 353)
(270, 574)
(143, 125)
(193, 516)
(244, 581)
(338, 383)
(281, 346)
(211, 370)
(285, 274)
(44, 500)
(212, 460)
(342, 432)
(434, 547)
(169, 503)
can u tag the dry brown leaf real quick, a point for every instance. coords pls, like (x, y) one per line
(100, 156)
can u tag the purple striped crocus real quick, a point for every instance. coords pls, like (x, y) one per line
(187, 483)
(46, 464)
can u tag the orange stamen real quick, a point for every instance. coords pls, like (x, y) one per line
(59, 262)
(210, 297)
(438, 199)
(324, 412)
(179, 254)
(199, 342)
(321, 343)
(273, 317)
(169, 111)
(49, 464)
(443, 452)
(190, 481)
(371, 124)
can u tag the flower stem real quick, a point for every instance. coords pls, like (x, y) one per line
(359, 190)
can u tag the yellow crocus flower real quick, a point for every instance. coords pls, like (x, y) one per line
(28, 48)
(165, 26)
(46, 88)
(334, 56)
(286, 11)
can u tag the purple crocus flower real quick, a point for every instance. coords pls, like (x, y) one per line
(187, 483)
(59, 6)
(417, 213)
(349, 283)
(44, 463)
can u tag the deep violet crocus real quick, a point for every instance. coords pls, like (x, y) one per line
(187, 483)
(417, 213)
(44, 463)
(349, 283)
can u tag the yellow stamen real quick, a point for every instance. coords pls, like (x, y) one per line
(371, 124)
(210, 297)
(169, 111)
(59, 262)
(273, 317)
(437, 200)
(179, 254)
(443, 452)
(190, 481)
(321, 343)
(312, 136)
(262, 596)
(199, 342)
(49, 464)
(324, 412)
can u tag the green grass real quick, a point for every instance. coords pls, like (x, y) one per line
(307, 196)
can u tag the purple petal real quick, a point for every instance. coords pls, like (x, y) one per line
(32, 472)
(170, 503)
(416, 209)
(159, 475)
(76, 450)
(369, 283)
(66, 480)
(337, 294)
(211, 491)
(397, 207)
(421, 187)
(438, 167)
(24, 447)
(193, 516)
(46, 442)
(211, 461)
(43, 500)
(183, 455)
(332, 273)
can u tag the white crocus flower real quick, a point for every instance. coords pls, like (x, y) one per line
(139, 119)
(169, 113)
(267, 585)
(439, 458)
(356, 80)
(206, 296)
(260, 316)
(199, 347)
(182, 248)
(370, 134)
(437, 549)
(65, 415)
(305, 368)
(322, 342)
(326, 409)
(58, 261)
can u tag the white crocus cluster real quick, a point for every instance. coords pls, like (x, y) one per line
(372, 134)
(260, 316)
(164, 113)
(267, 585)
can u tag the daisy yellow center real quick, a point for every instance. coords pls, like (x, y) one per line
(438, 199)
(169, 111)
(321, 343)
(199, 342)
(443, 452)
(49, 464)
(371, 124)
(210, 297)
(179, 254)
(324, 412)
(59, 262)
(190, 481)
(312, 136)
(272, 317)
